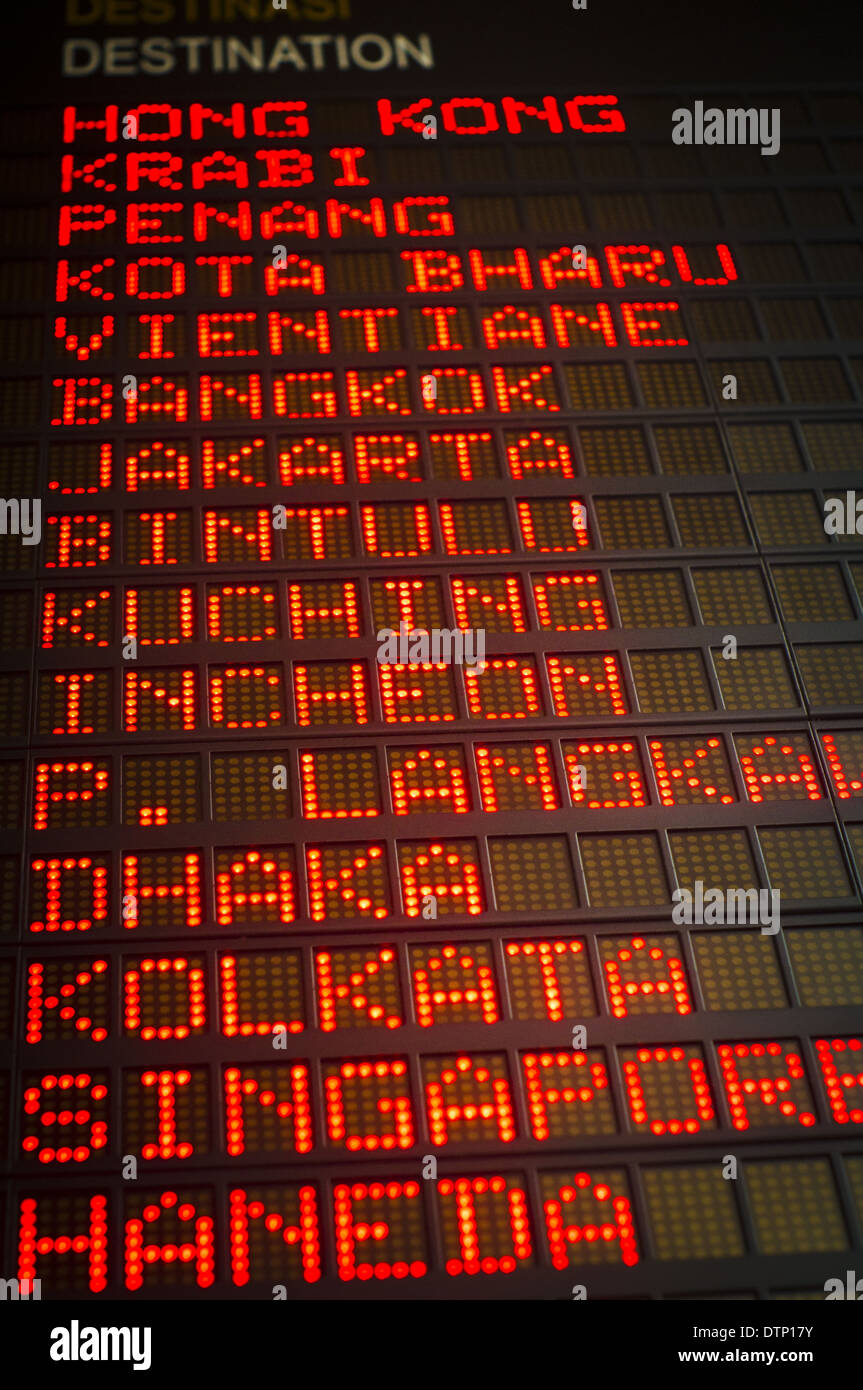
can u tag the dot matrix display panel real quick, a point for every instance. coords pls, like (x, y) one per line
(275, 927)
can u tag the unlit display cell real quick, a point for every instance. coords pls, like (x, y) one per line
(787, 518)
(757, 680)
(598, 386)
(16, 617)
(532, 874)
(249, 786)
(689, 449)
(826, 964)
(812, 593)
(723, 857)
(710, 521)
(671, 385)
(729, 322)
(739, 971)
(623, 870)
(762, 447)
(652, 598)
(833, 444)
(812, 1220)
(673, 681)
(805, 862)
(832, 673)
(17, 464)
(693, 1213)
(11, 792)
(632, 523)
(615, 451)
(736, 595)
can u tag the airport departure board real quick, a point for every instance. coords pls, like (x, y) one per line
(430, 606)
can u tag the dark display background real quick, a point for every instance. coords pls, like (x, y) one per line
(704, 518)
